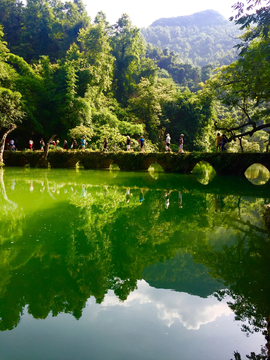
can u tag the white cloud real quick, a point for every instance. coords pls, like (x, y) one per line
(170, 306)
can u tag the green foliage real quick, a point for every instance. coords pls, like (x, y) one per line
(106, 117)
(148, 103)
(41, 27)
(192, 115)
(171, 66)
(98, 76)
(255, 143)
(81, 131)
(10, 100)
(127, 48)
(5, 69)
(116, 141)
(242, 86)
(237, 87)
(254, 19)
(96, 56)
(10, 107)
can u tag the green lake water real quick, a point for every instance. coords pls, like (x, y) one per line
(118, 265)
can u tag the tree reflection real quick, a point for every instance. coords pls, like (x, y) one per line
(83, 240)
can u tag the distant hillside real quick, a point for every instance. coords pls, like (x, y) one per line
(200, 19)
(202, 38)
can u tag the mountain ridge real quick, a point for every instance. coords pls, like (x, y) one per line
(188, 20)
(205, 37)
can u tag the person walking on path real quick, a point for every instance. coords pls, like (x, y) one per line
(128, 143)
(168, 143)
(181, 143)
(223, 142)
(74, 144)
(105, 145)
(83, 143)
(12, 145)
(42, 144)
(218, 142)
(141, 142)
(65, 144)
(31, 144)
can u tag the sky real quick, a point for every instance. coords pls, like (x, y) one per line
(144, 12)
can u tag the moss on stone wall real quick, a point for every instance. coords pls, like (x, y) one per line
(223, 163)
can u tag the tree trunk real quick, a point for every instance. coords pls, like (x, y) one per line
(241, 146)
(43, 160)
(3, 142)
(4, 193)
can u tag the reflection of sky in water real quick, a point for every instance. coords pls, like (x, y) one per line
(191, 311)
(150, 324)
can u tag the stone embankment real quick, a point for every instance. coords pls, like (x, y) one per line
(223, 163)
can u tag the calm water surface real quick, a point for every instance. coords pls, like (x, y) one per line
(116, 265)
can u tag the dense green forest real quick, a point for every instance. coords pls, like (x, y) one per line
(200, 39)
(62, 73)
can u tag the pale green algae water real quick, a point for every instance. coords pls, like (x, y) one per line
(116, 265)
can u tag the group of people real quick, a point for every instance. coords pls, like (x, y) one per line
(220, 142)
(166, 195)
(167, 147)
(74, 145)
(56, 142)
(41, 142)
(128, 143)
(180, 143)
(10, 145)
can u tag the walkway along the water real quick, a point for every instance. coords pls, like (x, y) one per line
(223, 163)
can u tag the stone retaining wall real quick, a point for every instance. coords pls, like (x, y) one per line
(223, 163)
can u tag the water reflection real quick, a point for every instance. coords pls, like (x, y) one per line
(257, 174)
(154, 170)
(204, 172)
(66, 237)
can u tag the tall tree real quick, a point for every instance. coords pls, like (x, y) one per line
(190, 114)
(10, 114)
(96, 57)
(42, 27)
(148, 103)
(244, 84)
(11, 17)
(128, 47)
(254, 19)
(10, 101)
